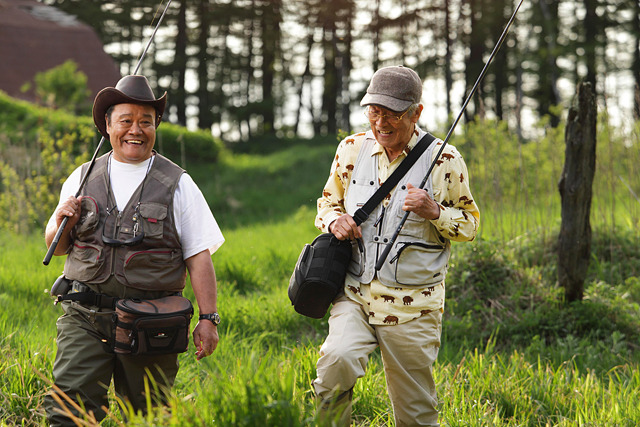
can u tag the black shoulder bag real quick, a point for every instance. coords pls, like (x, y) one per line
(319, 274)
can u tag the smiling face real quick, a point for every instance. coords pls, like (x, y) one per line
(132, 132)
(393, 136)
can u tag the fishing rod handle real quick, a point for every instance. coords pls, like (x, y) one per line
(54, 243)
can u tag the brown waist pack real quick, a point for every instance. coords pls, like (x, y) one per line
(149, 327)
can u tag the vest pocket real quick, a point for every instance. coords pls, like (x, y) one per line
(89, 218)
(414, 226)
(418, 263)
(155, 270)
(153, 215)
(84, 262)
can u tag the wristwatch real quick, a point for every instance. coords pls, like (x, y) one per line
(214, 317)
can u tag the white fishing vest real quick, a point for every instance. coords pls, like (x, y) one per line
(420, 255)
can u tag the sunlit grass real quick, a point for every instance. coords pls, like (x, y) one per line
(512, 355)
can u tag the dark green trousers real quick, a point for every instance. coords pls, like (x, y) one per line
(84, 366)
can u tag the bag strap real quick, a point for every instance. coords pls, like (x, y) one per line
(363, 213)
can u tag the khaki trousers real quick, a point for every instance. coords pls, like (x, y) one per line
(408, 353)
(84, 366)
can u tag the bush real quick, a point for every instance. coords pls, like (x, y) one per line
(45, 145)
(180, 145)
(63, 87)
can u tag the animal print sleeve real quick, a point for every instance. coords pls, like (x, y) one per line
(459, 214)
(331, 204)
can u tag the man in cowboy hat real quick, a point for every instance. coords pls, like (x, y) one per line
(398, 308)
(139, 225)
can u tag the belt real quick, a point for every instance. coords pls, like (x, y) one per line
(82, 294)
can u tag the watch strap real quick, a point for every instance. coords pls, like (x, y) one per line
(213, 317)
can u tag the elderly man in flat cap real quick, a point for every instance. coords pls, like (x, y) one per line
(139, 225)
(398, 308)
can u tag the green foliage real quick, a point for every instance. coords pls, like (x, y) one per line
(515, 182)
(20, 122)
(185, 147)
(63, 87)
(511, 353)
(487, 389)
(509, 291)
(11, 196)
(38, 194)
(248, 189)
(535, 356)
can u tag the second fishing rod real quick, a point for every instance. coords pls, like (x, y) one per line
(385, 253)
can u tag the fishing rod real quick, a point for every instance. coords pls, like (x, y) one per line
(387, 249)
(63, 224)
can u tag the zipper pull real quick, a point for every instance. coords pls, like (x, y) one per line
(394, 258)
(375, 224)
(398, 253)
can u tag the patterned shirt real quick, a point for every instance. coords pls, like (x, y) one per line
(458, 221)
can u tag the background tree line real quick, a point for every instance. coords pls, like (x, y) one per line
(248, 68)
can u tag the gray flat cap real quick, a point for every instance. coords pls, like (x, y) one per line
(395, 88)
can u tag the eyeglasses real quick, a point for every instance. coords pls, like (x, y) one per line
(392, 119)
(136, 239)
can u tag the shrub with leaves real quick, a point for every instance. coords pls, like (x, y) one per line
(63, 87)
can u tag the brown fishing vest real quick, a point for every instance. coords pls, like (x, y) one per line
(154, 264)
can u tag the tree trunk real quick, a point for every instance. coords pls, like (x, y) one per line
(303, 79)
(549, 95)
(376, 37)
(636, 61)
(330, 89)
(448, 77)
(474, 62)
(271, 17)
(574, 242)
(180, 63)
(591, 36)
(345, 71)
(205, 119)
(500, 67)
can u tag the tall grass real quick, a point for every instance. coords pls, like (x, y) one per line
(502, 362)
(512, 353)
(515, 182)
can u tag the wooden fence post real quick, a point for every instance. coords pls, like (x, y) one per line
(575, 186)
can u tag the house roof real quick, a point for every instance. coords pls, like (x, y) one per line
(35, 37)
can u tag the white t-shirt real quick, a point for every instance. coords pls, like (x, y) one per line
(196, 226)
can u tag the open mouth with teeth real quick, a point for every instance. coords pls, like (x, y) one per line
(134, 142)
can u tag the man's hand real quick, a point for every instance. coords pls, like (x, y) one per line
(205, 338)
(419, 202)
(345, 228)
(70, 208)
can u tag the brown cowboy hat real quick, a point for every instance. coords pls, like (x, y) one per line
(128, 90)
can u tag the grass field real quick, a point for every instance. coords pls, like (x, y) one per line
(513, 354)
